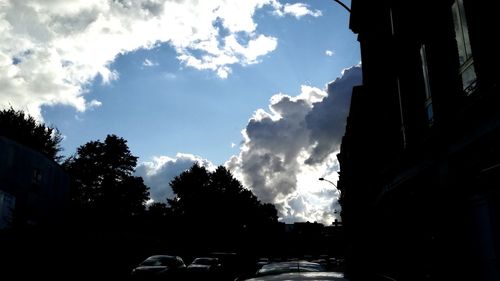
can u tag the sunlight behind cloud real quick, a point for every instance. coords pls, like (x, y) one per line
(288, 148)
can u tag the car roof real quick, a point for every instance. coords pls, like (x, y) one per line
(289, 266)
(162, 256)
(291, 276)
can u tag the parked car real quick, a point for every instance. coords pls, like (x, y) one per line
(294, 270)
(230, 264)
(204, 264)
(158, 267)
(302, 276)
(289, 266)
(261, 262)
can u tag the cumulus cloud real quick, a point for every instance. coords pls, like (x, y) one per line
(50, 51)
(297, 10)
(329, 53)
(158, 173)
(287, 148)
(327, 121)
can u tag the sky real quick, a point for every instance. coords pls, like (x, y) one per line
(260, 86)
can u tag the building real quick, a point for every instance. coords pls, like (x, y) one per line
(420, 158)
(34, 190)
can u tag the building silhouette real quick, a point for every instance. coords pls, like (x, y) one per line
(420, 158)
(34, 190)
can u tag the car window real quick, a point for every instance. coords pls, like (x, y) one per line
(151, 262)
(204, 261)
(159, 261)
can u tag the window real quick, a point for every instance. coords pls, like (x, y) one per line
(7, 205)
(401, 114)
(428, 95)
(36, 178)
(466, 70)
(391, 14)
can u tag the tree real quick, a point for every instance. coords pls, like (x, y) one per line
(158, 210)
(102, 181)
(217, 205)
(24, 129)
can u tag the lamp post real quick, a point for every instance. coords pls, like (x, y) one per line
(343, 5)
(323, 179)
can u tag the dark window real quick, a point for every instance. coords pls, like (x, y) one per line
(36, 177)
(466, 70)
(391, 13)
(7, 204)
(427, 84)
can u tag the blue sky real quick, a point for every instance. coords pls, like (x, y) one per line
(167, 93)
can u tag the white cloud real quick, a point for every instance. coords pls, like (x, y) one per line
(287, 148)
(158, 173)
(50, 51)
(329, 53)
(149, 63)
(94, 104)
(297, 10)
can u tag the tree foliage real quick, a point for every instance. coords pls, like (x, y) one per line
(219, 200)
(102, 180)
(24, 129)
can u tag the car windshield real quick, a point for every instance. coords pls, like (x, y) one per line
(204, 261)
(159, 261)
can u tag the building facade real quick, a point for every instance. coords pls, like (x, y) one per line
(420, 158)
(34, 190)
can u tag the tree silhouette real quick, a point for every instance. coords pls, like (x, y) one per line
(158, 210)
(102, 182)
(217, 205)
(24, 129)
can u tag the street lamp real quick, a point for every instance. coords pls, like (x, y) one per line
(323, 179)
(343, 5)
